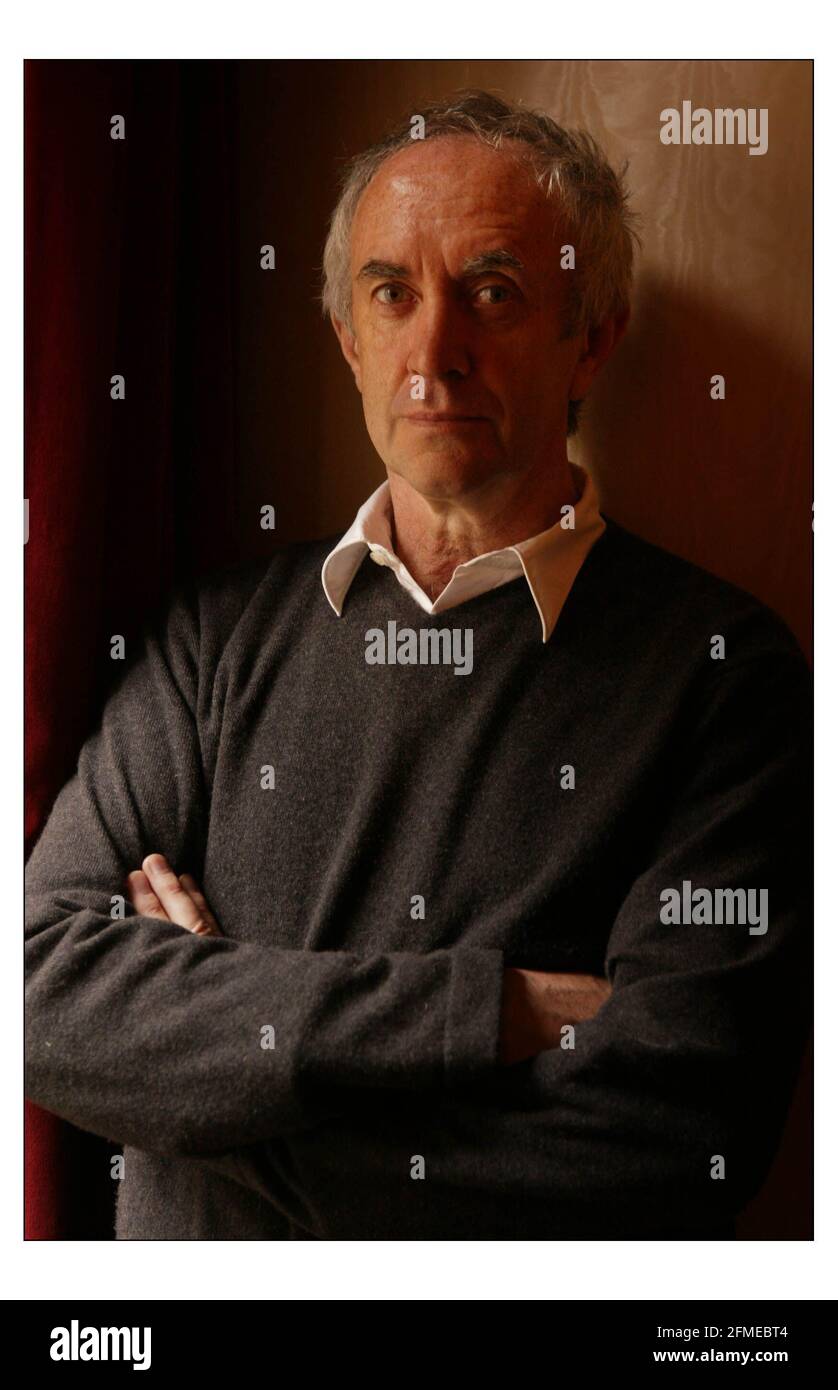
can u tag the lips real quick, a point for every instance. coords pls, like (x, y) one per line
(438, 417)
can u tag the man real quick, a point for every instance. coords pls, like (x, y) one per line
(501, 812)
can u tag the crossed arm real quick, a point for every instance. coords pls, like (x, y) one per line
(147, 1033)
(536, 1005)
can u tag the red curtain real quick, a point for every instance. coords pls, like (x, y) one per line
(128, 270)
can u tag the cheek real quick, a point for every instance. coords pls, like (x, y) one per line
(532, 370)
(511, 380)
(376, 399)
(381, 373)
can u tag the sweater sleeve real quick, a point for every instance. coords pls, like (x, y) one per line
(145, 1034)
(665, 1115)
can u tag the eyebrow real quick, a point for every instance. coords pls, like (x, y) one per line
(491, 260)
(372, 270)
(475, 265)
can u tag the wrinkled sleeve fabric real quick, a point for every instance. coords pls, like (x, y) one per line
(145, 1034)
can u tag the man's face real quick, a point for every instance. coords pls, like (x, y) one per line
(456, 280)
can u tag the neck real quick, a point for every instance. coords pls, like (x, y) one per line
(433, 535)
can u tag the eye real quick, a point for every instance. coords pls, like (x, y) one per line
(497, 294)
(390, 291)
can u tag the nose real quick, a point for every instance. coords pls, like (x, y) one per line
(439, 347)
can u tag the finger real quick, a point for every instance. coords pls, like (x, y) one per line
(176, 902)
(201, 903)
(144, 900)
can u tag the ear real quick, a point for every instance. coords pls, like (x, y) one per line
(348, 346)
(597, 346)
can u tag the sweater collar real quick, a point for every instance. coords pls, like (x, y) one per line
(549, 561)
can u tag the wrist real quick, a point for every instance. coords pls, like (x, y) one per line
(521, 1033)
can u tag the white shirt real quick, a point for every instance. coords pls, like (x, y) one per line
(549, 561)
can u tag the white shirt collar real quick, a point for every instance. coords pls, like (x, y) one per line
(549, 561)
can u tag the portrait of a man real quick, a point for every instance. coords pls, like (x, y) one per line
(446, 876)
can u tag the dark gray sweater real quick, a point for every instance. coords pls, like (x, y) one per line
(395, 783)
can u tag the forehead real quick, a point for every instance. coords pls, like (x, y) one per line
(450, 188)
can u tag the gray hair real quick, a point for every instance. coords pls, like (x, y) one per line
(568, 165)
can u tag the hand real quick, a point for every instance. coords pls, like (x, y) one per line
(156, 891)
(537, 1004)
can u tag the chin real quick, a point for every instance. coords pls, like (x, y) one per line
(435, 476)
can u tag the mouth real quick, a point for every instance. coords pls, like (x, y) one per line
(439, 417)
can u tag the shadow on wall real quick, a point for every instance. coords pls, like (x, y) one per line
(724, 483)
